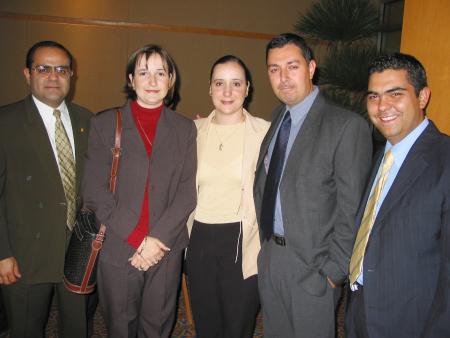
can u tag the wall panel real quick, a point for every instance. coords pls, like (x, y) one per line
(426, 28)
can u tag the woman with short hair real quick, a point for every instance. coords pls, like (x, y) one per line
(140, 264)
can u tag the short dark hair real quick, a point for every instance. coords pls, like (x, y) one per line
(147, 51)
(415, 71)
(290, 38)
(47, 43)
(248, 77)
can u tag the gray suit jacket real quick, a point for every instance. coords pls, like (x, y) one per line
(407, 259)
(32, 200)
(322, 184)
(171, 171)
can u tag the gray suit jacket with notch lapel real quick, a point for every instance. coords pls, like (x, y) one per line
(320, 189)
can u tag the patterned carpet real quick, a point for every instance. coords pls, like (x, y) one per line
(182, 328)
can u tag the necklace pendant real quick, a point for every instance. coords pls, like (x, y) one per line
(221, 147)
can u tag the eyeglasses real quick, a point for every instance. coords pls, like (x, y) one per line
(63, 71)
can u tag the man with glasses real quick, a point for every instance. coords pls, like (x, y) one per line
(43, 139)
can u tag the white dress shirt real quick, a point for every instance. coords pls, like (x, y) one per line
(49, 120)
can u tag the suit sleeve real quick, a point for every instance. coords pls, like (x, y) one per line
(173, 220)
(438, 324)
(351, 168)
(5, 248)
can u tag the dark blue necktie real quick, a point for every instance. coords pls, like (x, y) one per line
(274, 176)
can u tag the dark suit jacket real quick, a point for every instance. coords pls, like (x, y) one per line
(407, 260)
(171, 171)
(32, 200)
(322, 184)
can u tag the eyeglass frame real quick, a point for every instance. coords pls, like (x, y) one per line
(63, 71)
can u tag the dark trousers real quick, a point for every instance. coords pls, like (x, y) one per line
(28, 306)
(223, 303)
(3, 321)
(140, 303)
(355, 319)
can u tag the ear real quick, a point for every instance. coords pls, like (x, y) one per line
(26, 72)
(131, 83)
(312, 68)
(424, 97)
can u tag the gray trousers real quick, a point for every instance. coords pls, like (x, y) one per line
(288, 309)
(140, 303)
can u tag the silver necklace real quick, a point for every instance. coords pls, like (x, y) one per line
(229, 135)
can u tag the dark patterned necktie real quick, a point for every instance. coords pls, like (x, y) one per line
(274, 176)
(66, 167)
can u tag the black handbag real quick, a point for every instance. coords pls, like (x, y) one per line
(80, 265)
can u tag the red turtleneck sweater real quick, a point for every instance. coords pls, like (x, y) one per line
(146, 120)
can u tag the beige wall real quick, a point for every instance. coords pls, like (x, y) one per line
(426, 28)
(101, 52)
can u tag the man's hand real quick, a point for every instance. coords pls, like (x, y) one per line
(9, 271)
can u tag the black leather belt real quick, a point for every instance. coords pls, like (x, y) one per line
(279, 240)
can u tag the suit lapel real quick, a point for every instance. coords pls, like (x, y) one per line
(79, 140)
(39, 140)
(203, 127)
(412, 168)
(278, 115)
(250, 147)
(132, 142)
(306, 134)
(373, 175)
(162, 135)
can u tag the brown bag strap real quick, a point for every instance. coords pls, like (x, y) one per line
(116, 152)
(114, 166)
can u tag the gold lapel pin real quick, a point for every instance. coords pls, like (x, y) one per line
(82, 130)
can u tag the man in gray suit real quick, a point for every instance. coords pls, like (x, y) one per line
(38, 193)
(400, 266)
(310, 175)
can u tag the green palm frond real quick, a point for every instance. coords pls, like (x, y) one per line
(339, 20)
(354, 101)
(346, 68)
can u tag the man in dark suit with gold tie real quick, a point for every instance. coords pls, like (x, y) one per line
(43, 140)
(400, 266)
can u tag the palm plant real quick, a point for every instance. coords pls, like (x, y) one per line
(348, 29)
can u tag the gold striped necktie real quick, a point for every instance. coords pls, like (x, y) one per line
(368, 219)
(66, 163)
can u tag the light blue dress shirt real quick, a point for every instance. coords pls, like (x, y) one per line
(298, 116)
(399, 151)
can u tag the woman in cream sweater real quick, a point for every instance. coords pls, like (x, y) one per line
(224, 238)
